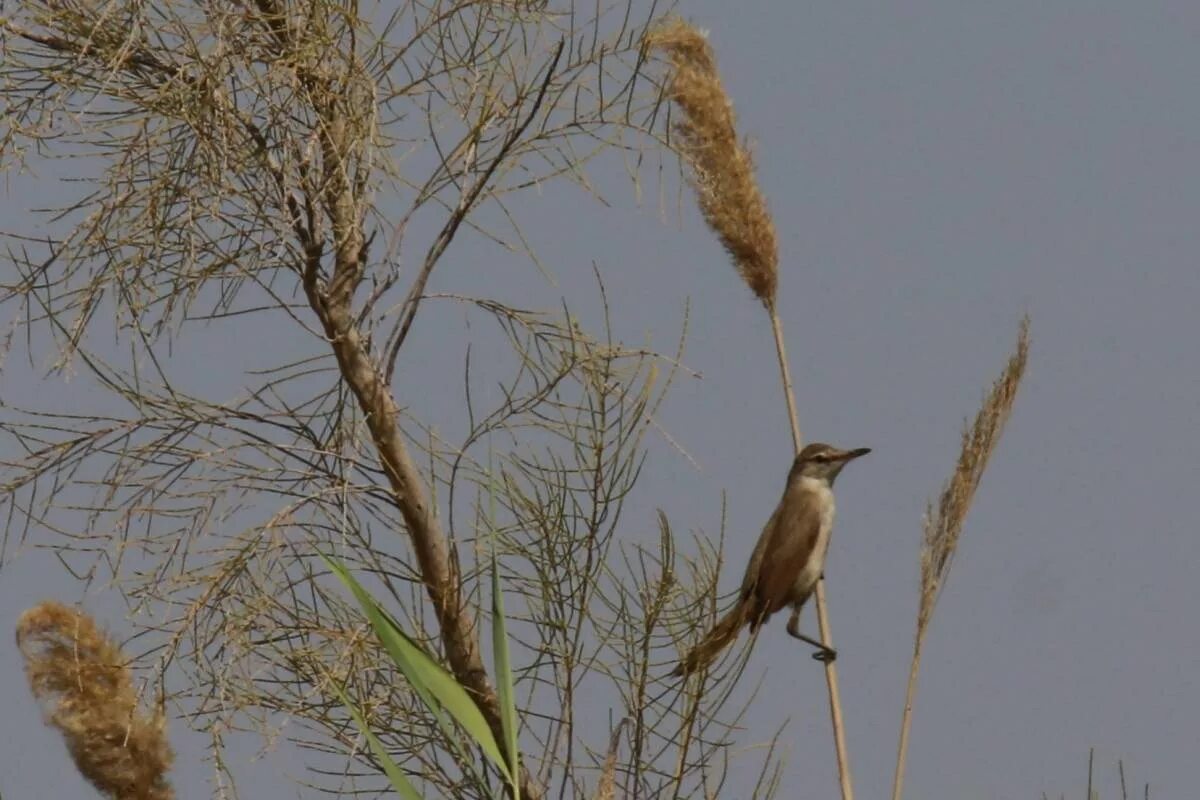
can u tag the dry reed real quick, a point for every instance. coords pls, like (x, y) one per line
(85, 687)
(722, 168)
(943, 524)
(734, 207)
(606, 788)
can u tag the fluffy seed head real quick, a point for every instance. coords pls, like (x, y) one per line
(86, 690)
(944, 523)
(722, 167)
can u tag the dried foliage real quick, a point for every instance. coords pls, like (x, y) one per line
(605, 789)
(943, 523)
(723, 169)
(734, 207)
(309, 168)
(86, 688)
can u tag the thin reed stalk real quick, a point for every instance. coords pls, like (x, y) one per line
(831, 676)
(734, 208)
(944, 524)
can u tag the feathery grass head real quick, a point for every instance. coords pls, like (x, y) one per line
(81, 680)
(722, 168)
(944, 524)
(606, 788)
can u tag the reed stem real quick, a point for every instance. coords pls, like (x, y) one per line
(831, 676)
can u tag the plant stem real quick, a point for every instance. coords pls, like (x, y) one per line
(906, 720)
(831, 678)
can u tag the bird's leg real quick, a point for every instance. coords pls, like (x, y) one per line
(824, 654)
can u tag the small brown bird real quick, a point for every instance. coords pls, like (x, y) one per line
(788, 559)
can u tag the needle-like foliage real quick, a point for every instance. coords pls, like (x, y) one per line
(287, 180)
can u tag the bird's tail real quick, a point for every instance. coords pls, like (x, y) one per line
(716, 640)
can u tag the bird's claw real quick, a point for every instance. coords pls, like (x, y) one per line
(826, 656)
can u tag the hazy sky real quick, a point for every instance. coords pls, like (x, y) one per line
(936, 170)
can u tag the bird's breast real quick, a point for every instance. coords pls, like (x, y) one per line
(821, 497)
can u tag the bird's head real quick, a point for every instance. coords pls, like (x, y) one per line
(823, 461)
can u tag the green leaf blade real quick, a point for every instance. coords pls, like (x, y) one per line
(504, 679)
(394, 774)
(432, 681)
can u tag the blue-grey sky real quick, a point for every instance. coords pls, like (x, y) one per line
(936, 170)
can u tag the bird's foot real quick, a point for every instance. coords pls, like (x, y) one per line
(826, 655)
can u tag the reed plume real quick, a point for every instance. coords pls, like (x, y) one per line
(734, 208)
(606, 788)
(943, 524)
(722, 167)
(85, 688)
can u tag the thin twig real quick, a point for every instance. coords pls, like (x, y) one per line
(417, 292)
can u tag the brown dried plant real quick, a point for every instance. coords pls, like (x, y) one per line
(606, 787)
(943, 523)
(734, 208)
(722, 167)
(307, 168)
(85, 687)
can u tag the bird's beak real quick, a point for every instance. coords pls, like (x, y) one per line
(853, 454)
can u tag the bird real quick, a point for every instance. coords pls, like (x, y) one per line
(788, 559)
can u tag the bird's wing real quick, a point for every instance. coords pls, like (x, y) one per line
(790, 538)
